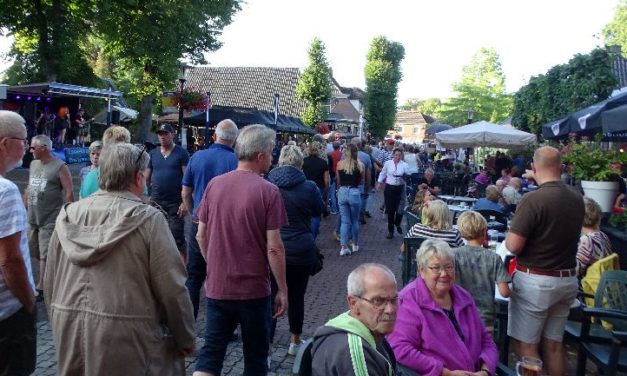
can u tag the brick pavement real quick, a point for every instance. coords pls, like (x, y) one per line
(325, 298)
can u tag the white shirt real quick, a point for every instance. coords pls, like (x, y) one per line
(412, 163)
(13, 220)
(392, 173)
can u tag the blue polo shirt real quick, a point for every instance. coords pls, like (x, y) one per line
(167, 174)
(205, 165)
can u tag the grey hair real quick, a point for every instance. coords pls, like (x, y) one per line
(252, 140)
(355, 281)
(42, 140)
(11, 123)
(95, 146)
(118, 163)
(291, 155)
(433, 247)
(226, 130)
(315, 148)
(115, 134)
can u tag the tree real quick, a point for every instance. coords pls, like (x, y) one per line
(565, 88)
(429, 106)
(47, 35)
(383, 73)
(615, 32)
(147, 39)
(481, 90)
(314, 85)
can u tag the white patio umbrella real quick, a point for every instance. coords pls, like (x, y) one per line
(483, 133)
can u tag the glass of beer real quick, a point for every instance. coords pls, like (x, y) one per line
(529, 366)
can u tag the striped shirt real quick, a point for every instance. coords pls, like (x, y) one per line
(452, 236)
(13, 220)
(592, 247)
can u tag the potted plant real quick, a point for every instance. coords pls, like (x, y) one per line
(589, 161)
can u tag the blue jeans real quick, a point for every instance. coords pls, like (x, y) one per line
(315, 221)
(350, 204)
(196, 269)
(333, 196)
(253, 315)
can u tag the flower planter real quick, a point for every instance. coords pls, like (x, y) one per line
(603, 192)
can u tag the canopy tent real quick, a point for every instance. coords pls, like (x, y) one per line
(246, 116)
(555, 129)
(483, 133)
(615, 120)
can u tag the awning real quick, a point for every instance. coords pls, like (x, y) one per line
(54, 89)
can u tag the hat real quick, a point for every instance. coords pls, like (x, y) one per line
(165, 128)
(389, 141)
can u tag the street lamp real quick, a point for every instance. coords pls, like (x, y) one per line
(182, 79)
(208, 106)
(471, 115)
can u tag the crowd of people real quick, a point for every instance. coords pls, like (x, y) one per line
(121, 281)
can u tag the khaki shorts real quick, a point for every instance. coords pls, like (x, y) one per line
(38, 240)
(539, 306)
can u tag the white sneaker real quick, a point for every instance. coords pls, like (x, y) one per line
(345, 252)
(293, 349)
(355, 248)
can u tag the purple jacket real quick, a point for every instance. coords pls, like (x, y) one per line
(425, 340)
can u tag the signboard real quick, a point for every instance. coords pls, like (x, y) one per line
(76, 155)
(169, 103)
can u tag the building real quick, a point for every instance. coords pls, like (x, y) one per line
(410, 126)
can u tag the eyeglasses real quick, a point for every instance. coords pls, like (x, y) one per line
(24, 140)
(379, 302)
(439, 269)
(141, 152)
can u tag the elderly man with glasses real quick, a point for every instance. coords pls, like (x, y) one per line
(17, 299)
(49, 186)
(354, 343)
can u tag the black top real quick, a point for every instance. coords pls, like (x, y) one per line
(350, 180)
(314, 168)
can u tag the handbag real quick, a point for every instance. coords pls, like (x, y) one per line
(318, 263)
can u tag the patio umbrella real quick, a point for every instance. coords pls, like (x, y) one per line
(615, 120)
(436, 128)
(555, 129)
(483, 133)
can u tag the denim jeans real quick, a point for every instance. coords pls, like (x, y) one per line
(333, 195)
(196, 269)
(18, 344)
(350, 204)
(253, 315)
(315, 221)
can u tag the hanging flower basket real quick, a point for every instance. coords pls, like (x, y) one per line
(192, 100)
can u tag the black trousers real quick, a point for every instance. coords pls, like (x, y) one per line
(296, 277)
(392, 198)
(18, 344)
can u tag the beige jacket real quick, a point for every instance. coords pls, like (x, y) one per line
(115, 289)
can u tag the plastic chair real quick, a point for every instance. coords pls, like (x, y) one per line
(609, 353)
(409, 267)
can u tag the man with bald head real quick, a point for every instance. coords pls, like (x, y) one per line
(355, 340)
(544, 236)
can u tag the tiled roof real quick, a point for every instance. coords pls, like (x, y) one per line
(410, 117)
(248, 87)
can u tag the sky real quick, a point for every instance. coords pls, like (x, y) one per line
(439, 36)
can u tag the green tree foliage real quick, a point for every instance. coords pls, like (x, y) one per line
(47, 35)
(615, 32)
(314, 85)
(481, 89)
(429, 106)
(383, 73)
(146, 39)
(565, 88)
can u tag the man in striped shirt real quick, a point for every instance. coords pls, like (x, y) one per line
(17, 288)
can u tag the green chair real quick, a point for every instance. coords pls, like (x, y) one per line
(409, 267)
(608, 351)
(410, 219)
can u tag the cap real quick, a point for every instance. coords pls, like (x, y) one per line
(389, 141)
(165, 128)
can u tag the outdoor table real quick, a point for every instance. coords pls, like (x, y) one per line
(457, 199)
(455, 211)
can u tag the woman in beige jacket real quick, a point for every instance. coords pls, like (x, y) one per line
(115, 283)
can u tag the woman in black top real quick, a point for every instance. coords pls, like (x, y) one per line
(350, 174)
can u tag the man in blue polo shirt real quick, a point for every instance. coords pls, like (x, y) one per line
(165, 171)
(204, 165)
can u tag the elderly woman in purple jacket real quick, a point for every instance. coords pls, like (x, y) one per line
(438, 329)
